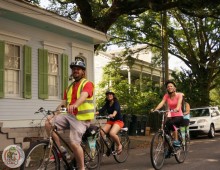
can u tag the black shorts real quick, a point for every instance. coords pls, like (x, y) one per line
(185, 122)
(174, 121)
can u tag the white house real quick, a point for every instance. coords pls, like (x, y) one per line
(142, 66)
(36, 48)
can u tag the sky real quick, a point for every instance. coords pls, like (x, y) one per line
(174, 63)
(44, 3)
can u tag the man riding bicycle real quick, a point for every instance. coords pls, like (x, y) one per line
(78, 99)
(173, 100)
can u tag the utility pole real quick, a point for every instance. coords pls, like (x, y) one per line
(164, 37)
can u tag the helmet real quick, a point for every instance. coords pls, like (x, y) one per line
(78, 63)
(170, 81)
(109, 92)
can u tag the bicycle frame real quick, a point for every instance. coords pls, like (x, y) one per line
(163, 131)
(43, 153)
(58, 149)
(161, 146)
(67, 145)
(111, 147)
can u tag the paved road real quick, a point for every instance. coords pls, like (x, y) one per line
(204, 155)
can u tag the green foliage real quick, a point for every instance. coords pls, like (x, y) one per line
(132, 99)
(214, 94)
(194, 40)
(187, 84)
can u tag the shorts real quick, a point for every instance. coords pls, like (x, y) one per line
(118, 122)
(77, 127)
(185, 122)
(174, 122)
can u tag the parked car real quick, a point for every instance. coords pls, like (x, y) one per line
(204, 120)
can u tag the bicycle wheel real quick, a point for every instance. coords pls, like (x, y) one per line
(157, 151)
(38, 157)
(92, 159)
(125, 141)
(187, 140)
(180, 152)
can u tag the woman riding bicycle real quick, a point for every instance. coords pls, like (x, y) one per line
(115, 123)
(173, 100)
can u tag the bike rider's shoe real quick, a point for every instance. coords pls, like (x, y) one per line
(176, 143)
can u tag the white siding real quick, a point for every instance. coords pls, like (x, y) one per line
(19, 109)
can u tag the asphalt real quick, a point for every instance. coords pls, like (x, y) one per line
(140, 141)
(135, 142)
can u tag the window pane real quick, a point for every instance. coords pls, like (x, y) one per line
(53, 74)
(12, 70)
(11, 82)
(53, 88)
(53, 64)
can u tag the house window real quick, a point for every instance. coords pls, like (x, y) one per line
(53, 75)
(12, 70)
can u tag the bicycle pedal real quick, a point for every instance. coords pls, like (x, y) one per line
(114, 153)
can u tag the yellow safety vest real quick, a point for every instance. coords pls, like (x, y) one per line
(86, 109)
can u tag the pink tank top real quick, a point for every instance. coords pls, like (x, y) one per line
(172, 103)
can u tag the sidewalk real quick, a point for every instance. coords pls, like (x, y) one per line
(140, 141)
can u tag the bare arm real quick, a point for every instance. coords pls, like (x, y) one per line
(63, 103)
(187, 109)
(160, 105)
(113, 114)
(79, 101)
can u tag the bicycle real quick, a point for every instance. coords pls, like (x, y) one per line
(162, 145)
(186, 139)
(39, 154)
(108, 146)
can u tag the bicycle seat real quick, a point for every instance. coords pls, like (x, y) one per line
(124, 129)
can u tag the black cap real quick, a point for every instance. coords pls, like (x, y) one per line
(170, 81)
(109, 92)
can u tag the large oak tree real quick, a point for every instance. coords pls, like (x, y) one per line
(102, 14)
(197, 43)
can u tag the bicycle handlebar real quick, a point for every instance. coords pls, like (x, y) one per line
(102, 117)
(42, 110)
(161, 111)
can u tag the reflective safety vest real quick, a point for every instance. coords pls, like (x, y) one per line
(86, 109)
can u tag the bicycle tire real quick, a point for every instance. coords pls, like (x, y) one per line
(157, 151)
(37, 157)
(92, 161)
(180, 152)
(125, 141)
(187, 141)
(102, 148)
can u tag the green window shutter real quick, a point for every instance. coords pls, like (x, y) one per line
(27, 72)
(64, 73)
(43, 74)
(2, 55)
